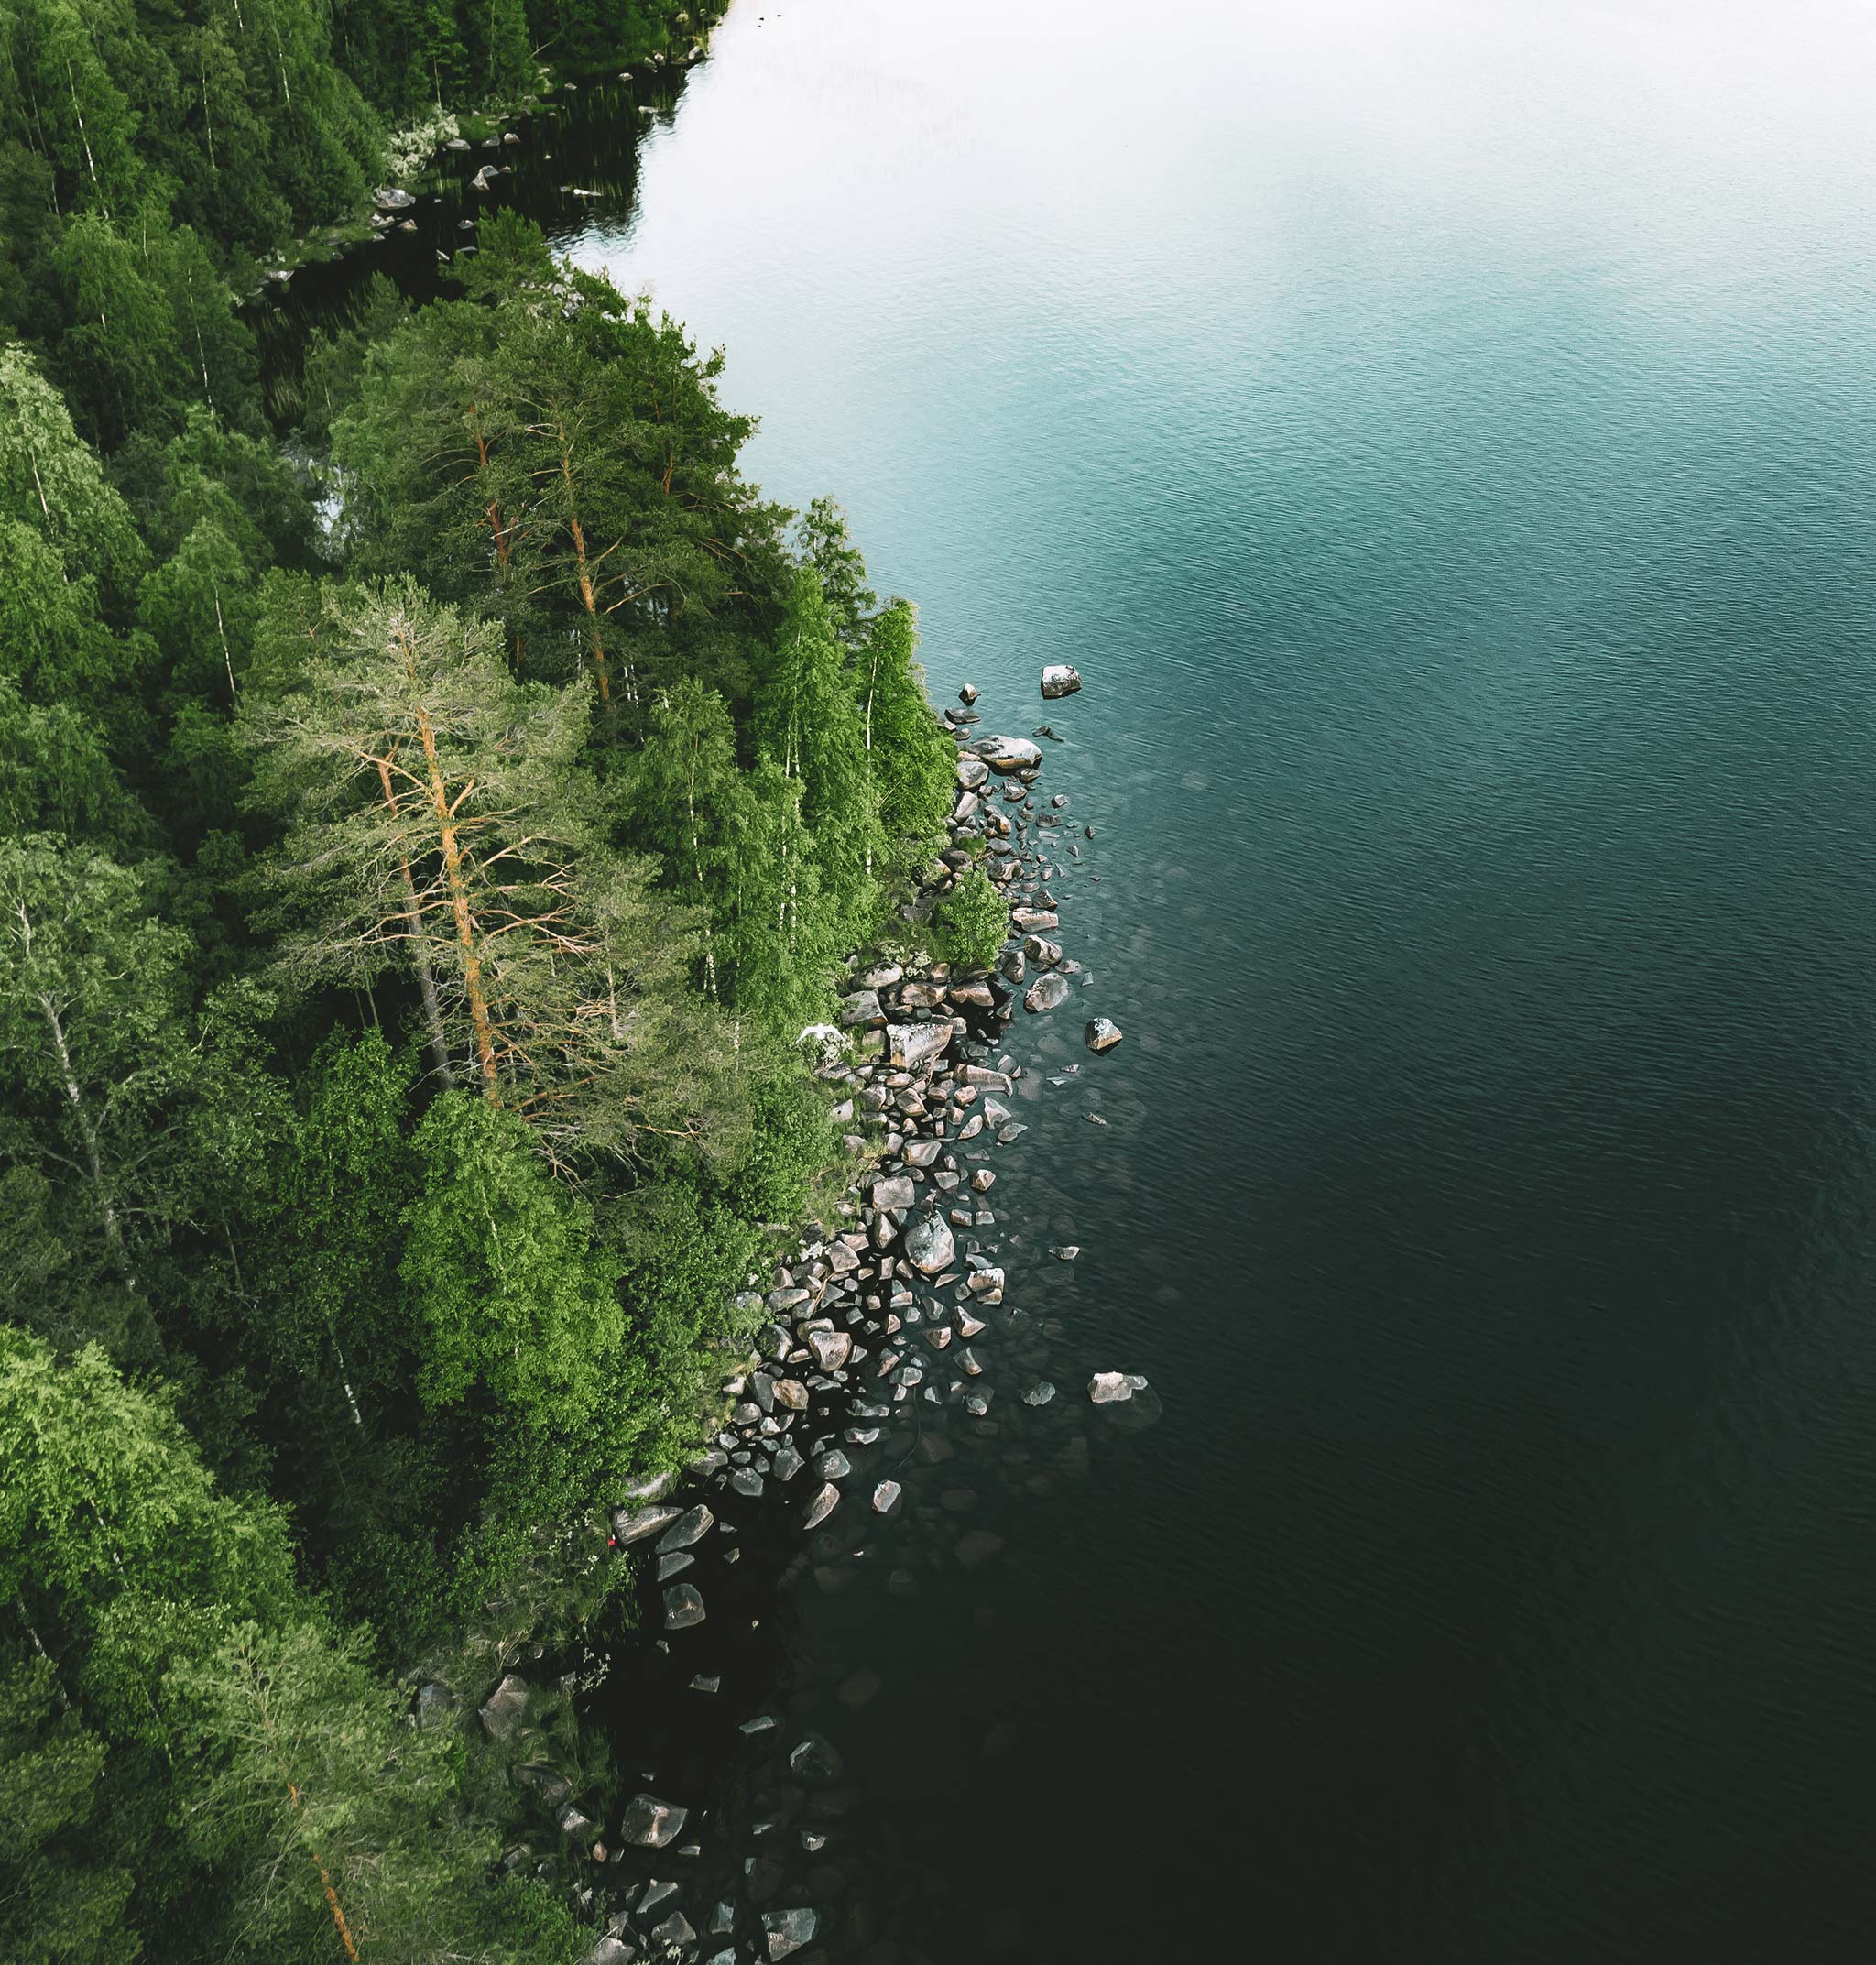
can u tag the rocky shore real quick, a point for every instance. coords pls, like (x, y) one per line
(889, 1349)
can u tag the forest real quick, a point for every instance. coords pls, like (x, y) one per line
(425, 832)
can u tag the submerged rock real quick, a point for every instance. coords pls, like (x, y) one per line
(651, 1823)
(823, 1505)
(787, 1931)
(683, 1605)
(1047, 992)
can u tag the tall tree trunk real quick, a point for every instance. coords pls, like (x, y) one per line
(460, 909)
(88, 1136)
(420, 948)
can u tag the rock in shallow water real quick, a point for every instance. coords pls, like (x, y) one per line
(1109, 1388)
(929, 1246)
(823, 1505)
(683, 1607)
(1059, 680)
(1102, 1034)
(1008, 753)
(651, 1823)
(788, 1930)
(1047, 992)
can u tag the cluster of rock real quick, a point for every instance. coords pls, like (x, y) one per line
(894, 1315)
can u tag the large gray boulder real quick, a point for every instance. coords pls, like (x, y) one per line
(972, 772)
(1110, 1388)
(633, 1525)
(683, 1605)
(910, 1046)
(1009, 754)
(1059, 680)
(787, 1931)
(1047, 992)
(506, 1703)
(893, 1191)
(651, 1823)
(689, 1527)
(822, 1506)
(929, 1246)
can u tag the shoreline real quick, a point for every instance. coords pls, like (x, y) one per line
(896, 1316)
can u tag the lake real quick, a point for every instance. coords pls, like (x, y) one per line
(1444, 437)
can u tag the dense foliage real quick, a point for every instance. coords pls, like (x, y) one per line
(408, 918)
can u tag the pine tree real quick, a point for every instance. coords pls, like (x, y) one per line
(437, 818)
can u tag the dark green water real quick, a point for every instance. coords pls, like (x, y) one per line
(1441, 434)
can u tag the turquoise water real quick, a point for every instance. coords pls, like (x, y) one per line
(1442, 435)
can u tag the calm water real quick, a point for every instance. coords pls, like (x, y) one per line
(1443, 436)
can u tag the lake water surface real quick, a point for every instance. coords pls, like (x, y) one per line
(1445, 437)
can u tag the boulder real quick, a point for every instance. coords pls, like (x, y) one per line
(971, 774)
(676, 1931)
(394, 200)
(791, 1394)
(787, 1931)
(894, 1191)
(1040, 1393)
(1059, 680)
(968, 693)
(689, 1527)
(823, 1505)
(910, 1046)
(832, 1349)
(1044, 954)
(1109, 1388)
(506, 1703)
(929, 1246)
(862, 1007)
(1009, 754)
(815, 1762)
(1066, 1251)
(1102, 1034)
(1047, 992)
(683, 1605)
(886, 1497)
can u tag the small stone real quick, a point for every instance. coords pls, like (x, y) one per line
(1066, 1252)
(886, 1497)
(1040, 1393)
(677, 1929)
